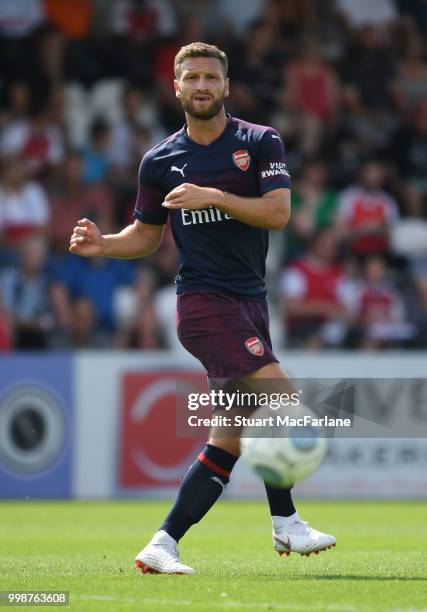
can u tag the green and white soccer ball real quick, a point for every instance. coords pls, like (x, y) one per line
(292, 455)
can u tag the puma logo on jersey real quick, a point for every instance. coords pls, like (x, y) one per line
(275, 136)
(181, 170)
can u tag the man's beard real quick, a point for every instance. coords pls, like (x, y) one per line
(206, 114)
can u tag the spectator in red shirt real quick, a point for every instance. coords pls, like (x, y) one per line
(366, 211)
(36, 139)
(141, 20)
(379, 308)
(310, 290)
(311, 94)
(311, 83)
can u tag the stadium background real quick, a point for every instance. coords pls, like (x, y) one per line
(85, 90)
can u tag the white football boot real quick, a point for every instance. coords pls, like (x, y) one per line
(161, 556)
(291, 534)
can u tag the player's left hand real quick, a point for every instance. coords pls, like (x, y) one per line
(191, 197)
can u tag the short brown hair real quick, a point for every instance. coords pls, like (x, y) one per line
(200, 49)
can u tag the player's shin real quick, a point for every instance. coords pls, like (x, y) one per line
(200, 489)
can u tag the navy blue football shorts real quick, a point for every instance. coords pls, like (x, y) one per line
(230, 336)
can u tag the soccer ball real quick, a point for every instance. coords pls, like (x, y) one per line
(293, 455)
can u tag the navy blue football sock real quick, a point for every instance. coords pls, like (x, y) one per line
(280, 501)
(202, 485)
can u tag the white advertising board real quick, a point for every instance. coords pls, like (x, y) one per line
(124, 445)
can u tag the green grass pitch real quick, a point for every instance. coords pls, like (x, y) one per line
(87, 548)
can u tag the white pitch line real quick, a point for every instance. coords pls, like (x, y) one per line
(238, 604)
(220, 604)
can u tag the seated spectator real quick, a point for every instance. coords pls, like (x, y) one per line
(24, 207)
(74, 53)
(311, 83)
(73, 199)
(96, 164)
(379, 309)
(141, 21)
(96, 279)
(84, 333)
(310, 292)
(110, 301)
(138, 113)
(409, 240)
(410, 86)
(137, 28)
(366, 212)
(368, 74)
(258, 75)
(311, 95)
(26, 293)
(17, 104)
(313, 206)
(409, 149)
(51, 52)
(290, 18)
(39, 142)
(19, 19)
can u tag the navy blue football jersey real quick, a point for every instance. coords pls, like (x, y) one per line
(216, 251)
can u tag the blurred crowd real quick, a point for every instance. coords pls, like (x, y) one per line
(86, 90)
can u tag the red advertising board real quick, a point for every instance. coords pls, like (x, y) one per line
(151, 455)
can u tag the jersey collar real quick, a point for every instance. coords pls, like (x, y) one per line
(220, 137)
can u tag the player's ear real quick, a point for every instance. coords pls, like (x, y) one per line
(176, 87)
(227, 88)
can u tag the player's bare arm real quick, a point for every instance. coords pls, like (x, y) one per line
(136, 240)
(272, 211)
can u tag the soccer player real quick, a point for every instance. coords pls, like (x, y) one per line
(223, 183)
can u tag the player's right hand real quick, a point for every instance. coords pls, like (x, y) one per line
(86, 239)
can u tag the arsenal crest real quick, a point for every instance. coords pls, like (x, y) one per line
(242, 159)
(254, 346)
